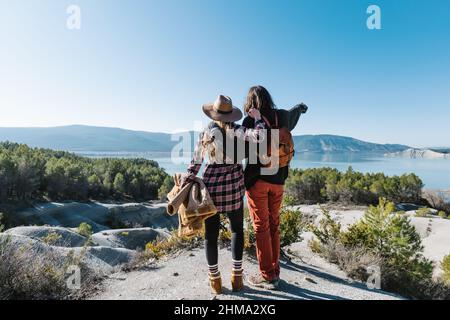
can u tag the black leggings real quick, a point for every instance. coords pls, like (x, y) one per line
(212, 228)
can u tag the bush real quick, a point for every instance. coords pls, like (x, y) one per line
(354, 260)
(386, 237)
(291, 225)
(289, 200)
(423, 212)
(442, 214)
(51, 238)
(85, 229)
(445, 265)
(160, 247)
(35, 272)
(249, 232)
(328, 229)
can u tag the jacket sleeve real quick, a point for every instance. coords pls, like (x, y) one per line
(256, 134)
(290, 117)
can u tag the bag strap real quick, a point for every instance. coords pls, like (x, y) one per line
(268, 122)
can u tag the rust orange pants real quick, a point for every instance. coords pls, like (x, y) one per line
(264, 202)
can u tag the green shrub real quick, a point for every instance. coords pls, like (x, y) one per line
(328, 229)
(51, 238)
(357, 234)
(289, 200)
(249, 231)
(291, 226)
(445, 265)
(442, 214)
(85, 229)
(423, 212)
(384, 235)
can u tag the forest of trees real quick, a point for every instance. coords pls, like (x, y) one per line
(31, 173)
(326, 184)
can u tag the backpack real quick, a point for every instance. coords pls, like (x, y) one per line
(284, 151)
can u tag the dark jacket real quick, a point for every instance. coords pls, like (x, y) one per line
(286, 118)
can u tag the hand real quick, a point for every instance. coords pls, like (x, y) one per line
(303, 107)
(183, 181)
(255, 114)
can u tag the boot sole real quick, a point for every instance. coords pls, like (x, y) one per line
(267, 286)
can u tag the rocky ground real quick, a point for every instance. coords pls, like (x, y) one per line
(183, 276)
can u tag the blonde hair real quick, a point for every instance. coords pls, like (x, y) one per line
(207, 143)
(224, 125)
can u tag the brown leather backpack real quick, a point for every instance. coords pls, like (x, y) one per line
(285, 151)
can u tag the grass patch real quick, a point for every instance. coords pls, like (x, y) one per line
(159, 248)
(36, 271)
(445, 264)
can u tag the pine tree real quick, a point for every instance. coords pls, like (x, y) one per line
(119, 183)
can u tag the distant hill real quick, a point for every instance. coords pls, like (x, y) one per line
(420, 153)
(89, 138)
(332, 143)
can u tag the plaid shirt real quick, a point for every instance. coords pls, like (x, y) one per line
(223, 179)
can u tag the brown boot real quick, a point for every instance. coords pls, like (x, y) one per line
(237, 283)
(215, 281)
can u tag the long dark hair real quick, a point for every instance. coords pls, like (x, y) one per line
(258, 97)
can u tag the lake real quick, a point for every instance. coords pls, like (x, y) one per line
(435, 173)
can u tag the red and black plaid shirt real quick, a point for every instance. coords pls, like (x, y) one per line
(223, 179)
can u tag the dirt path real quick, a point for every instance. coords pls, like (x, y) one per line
(183, 277)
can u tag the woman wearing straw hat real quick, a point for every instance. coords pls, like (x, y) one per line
(224, 179)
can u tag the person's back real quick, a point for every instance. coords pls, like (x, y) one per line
(265, 191)
(223, 178)
(287, 119)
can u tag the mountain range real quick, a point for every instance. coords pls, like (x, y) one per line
(80, 138)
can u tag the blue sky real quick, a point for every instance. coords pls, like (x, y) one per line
(150, 65)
